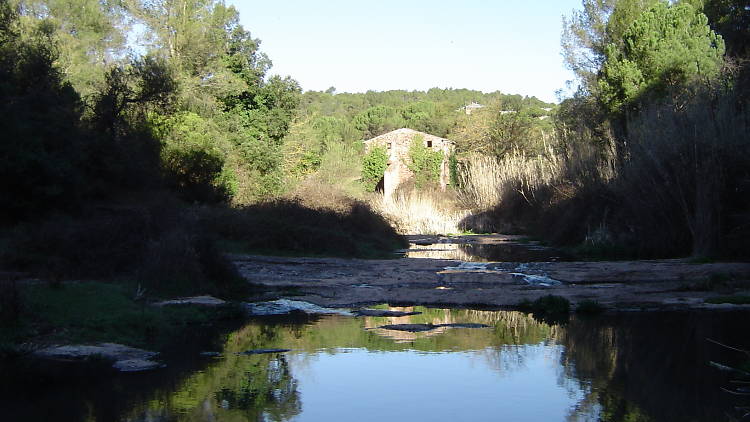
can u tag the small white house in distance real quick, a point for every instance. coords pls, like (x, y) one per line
(397, 145)
(471, 107)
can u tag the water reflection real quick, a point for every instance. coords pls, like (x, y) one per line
(616, 368)
(496, 251)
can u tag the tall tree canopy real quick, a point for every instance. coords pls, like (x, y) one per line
(665, 46)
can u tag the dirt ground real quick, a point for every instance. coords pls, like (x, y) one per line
(446, 271)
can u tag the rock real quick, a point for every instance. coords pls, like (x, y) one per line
(382, 313)
(194, 300)
(285, 306)
(412, 328)
(538, 280)
(263, 351)
(125, 358)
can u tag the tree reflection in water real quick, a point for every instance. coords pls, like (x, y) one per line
(615, 368)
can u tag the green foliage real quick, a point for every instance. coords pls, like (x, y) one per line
(193, 160)
(587, 32)
(453, 167)
(374, 164)
(104, 312)
(730, 19)
(41, 155)
(90, 33)
(378, 120)
(424, 162)
(664, 47)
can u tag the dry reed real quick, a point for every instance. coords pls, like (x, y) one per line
(486, 181)
(421, 212)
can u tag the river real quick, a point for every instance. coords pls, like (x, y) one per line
(619, 367)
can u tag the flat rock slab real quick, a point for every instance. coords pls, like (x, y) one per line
(125, 358)
(617, 285)
(194, 300)
(382, 313)
(263, 351)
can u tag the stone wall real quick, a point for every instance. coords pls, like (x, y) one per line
(397, 144)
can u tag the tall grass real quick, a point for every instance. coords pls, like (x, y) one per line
(675, 181)
(486, 182)
(687, 177)
(422, 212)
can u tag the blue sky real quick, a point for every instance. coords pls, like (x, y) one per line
(507, 45)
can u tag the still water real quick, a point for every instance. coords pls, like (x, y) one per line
(626, 367)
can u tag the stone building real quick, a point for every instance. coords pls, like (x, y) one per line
(397, 145)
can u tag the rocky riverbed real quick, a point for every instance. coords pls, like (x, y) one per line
(465, 279)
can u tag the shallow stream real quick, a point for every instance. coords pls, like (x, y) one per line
(624, 367)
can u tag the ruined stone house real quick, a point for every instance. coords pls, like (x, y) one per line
(397, 145)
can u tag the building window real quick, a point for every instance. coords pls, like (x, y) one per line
(389, 145)
(429, 144)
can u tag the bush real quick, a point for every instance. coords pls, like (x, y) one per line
(424, 162)
(374, 164)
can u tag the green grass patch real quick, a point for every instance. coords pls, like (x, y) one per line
(104, 312)
(733, 299)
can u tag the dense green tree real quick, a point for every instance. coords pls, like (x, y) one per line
(666, 46)
(91, 35)
(587, 33)
(378, 120)
(41, 148)
(730, 19)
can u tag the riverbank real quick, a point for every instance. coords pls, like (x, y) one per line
(429, 280)
(104, 312)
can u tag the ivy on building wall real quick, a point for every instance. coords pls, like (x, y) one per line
(424, 162)
(374, 164)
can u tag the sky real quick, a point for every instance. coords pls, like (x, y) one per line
(507, 45)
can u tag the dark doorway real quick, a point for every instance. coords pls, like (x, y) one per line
(380, 187)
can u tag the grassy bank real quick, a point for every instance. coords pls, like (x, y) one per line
(91, 312)
(99, 268)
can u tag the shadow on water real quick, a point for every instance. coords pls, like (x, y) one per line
(625, 367)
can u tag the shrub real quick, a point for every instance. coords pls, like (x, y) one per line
(424, 162)
(374, 164)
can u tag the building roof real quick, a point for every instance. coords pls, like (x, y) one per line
(405, 133)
